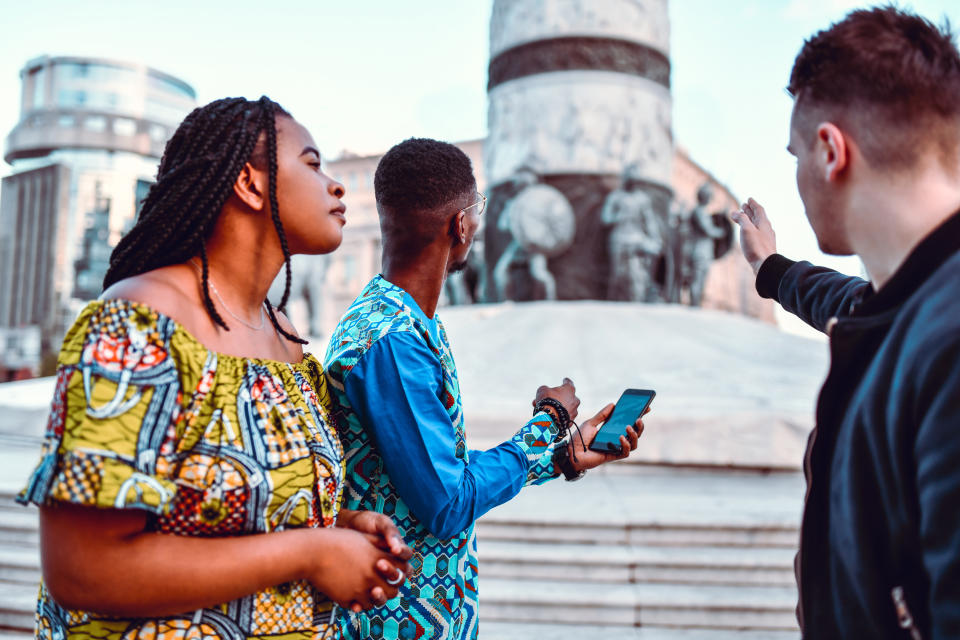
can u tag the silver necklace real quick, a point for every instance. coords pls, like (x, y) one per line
(223, 304)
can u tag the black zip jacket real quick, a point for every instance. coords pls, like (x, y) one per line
(880, 541)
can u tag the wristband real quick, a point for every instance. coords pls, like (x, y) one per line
(561, 460)
(563, 416)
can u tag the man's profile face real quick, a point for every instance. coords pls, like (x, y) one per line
(819, 197)
(471, 222)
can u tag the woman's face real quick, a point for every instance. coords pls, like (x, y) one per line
(310, 208)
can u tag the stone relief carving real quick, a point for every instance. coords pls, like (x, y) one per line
(541, 224)
(704, 237)
(580, 53)
(596, 123)
(635, 240)
(305, 307)
(514, 22)
(469, 285)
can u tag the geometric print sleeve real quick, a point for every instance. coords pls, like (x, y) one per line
(114, 412)
(537, 441)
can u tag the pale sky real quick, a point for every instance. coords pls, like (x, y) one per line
(365, 74)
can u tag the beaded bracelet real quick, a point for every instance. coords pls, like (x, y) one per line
(563, 416)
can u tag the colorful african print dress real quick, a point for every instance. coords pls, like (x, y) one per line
(145, 417)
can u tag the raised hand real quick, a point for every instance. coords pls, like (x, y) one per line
(757, 238)
(566, 394)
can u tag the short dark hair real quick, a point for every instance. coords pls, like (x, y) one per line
(895, 78)
(414, 180)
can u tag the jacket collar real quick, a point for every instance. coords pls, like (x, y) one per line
(923, 261)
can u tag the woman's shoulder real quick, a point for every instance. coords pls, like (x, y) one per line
(145, 307)
(167, 290)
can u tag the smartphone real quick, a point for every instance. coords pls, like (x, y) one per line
(630, 406)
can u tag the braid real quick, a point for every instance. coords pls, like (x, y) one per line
(270, 125)
(200, 164)
(281, 330)
(205, 277)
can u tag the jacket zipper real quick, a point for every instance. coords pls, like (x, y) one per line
(904, 617)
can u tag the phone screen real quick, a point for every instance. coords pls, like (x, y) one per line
(625, 413)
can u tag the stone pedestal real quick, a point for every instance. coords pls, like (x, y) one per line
(579, 90)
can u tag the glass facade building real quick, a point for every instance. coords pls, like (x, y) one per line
(84, 151)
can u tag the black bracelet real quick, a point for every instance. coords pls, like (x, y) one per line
(563, 416)
(561, 460)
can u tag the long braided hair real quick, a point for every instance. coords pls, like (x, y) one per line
(200, 164)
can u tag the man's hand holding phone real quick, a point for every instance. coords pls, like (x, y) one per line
(584, 460)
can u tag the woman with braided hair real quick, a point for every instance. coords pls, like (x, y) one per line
(191, 481)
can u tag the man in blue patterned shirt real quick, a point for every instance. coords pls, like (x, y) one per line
(397, 403)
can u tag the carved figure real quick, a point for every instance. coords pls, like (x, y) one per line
(305, 307)
(699, 242)
(541, 223)
(635, 241)
(469, 286)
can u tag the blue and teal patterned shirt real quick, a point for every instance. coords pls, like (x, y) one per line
(398, 408)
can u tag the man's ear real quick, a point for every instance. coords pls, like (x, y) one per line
(250, 187)
(832, 151)
(458, 230)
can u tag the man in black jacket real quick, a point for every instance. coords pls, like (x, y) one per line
(876, 134)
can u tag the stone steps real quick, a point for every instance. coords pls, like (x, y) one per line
(19, 527)
(19, 567)
(17, 604)
(19, 564)
(666, 553)
(639, 605)
(621, 563)
(524, 631)
(650, 572)
(638, 533)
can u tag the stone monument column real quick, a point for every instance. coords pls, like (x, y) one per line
(578, 91)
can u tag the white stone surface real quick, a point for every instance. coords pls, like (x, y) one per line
(579, 122)
(26, 394)
(516, 22)
(731, 391)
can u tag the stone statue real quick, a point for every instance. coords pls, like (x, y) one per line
(635, 241)
(541, 224)
(469, 286)
(699, 242)
(673, 252)
(305, 307)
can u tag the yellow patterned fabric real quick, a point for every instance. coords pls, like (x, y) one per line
(145, 417)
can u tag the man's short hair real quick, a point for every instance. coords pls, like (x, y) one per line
(413, 182)
(890, 77)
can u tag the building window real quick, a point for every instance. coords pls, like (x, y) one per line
(72, 99)
(66, 121)
(124, 127)
(349, 268)
(38, 77)
(95, 123)
(158, 133)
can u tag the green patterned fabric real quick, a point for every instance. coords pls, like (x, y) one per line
(145, 417)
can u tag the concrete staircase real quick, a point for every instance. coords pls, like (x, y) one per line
(19, 568)
(553, 564)
(652, 574)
